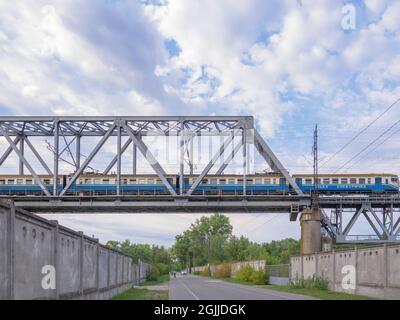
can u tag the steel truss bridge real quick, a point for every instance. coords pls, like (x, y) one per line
(381, 212)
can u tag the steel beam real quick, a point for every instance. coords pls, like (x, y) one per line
(88, 159)
(273, 161)
(25, 162)
(119, 128)
(37, 155)
(56, 157)
(208, 167)
(229, 158)
(150, 158)
(115, 159)
(21, 163)
(8, 150)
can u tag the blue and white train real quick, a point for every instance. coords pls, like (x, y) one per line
(256, 184)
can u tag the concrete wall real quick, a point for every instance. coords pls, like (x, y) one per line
(84, 268)
(376, 270)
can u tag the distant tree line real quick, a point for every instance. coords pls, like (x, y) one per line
(209, 240)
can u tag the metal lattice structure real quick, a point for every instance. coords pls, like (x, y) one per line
(381, 213)
(18, 130)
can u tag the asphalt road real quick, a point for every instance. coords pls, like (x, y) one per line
(191, 287)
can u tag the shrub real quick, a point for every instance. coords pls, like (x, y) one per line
(152, 273)
(223, 271)
(244, 273)
(163, 268)
(259, 277)
(316, 282)
(204, 272)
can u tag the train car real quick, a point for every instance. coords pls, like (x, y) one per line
(25, 184)
(256, 184)
(100, 184)
(349, 183)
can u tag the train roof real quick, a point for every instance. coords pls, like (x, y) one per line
(344, 174)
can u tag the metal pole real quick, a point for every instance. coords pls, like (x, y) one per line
(22, 149)
(181, 160)
(119, 128)
(56, 155)
(134, 159)
(78, 152)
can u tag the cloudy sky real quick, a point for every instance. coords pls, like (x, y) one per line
(290, 64)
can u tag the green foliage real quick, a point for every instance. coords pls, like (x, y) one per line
(153, 273)
(316, 282)
(204, 272)
(163, 268)
(223, 271)
(244, 273)
(259, 277)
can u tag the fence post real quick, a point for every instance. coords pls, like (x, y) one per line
(98, 268)
(302, 267)
(385, 269)
(56, 258)
(10, 218)
(81, 264)
(316, 264)
(356, 267)
(334, 269)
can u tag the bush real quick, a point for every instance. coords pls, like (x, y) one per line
(244, 274)
(259, 277)
(163, 268)
(153, 273)
(316, 282)
(204, 272)
(223, 271)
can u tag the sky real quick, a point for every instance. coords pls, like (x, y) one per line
(290, 64)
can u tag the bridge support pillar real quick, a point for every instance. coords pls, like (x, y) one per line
(310, 222)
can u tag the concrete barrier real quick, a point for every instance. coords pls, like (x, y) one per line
(30, 246)
(372, 271)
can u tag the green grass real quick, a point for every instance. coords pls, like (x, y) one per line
(142, 294)
(312, 292)
(162, 279)
(320, 294)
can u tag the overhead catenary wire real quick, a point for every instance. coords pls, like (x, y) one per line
(360, 133)
(367, 146)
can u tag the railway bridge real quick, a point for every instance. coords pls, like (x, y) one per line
(73, 142)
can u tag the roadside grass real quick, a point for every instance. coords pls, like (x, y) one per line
(312, 292)
(161, 279)
(318, 293)
(142, 294)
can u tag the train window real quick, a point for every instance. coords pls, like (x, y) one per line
(326, 180)
(213, 181)
(106, 181)
(150, 181)
(353, 180)
(395, 179)
(142, 181)
(273, 181)
(267, 181)
(10, 181)
(369, 180)
(96, 181)
(239, 181)
(124, 181)
(222, 181)
(361, 180)
(231, 181)
(158, 181)
(87, 181)
(132, 181)
(28, 181)
(335, 180)
(343, 180)
(318, 181)
(249, 181)
(20, 181)
(308, 181)
(258, 181)
(2, 181)
(46, 181)
(386, 180)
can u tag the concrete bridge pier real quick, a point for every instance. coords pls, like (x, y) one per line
(310, 222)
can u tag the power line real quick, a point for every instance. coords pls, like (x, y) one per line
(360, 132)
(369, 152)
(367, 146)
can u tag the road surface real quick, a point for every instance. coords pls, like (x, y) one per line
(189, 287)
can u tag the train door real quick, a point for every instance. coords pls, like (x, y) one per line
(378, 181)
